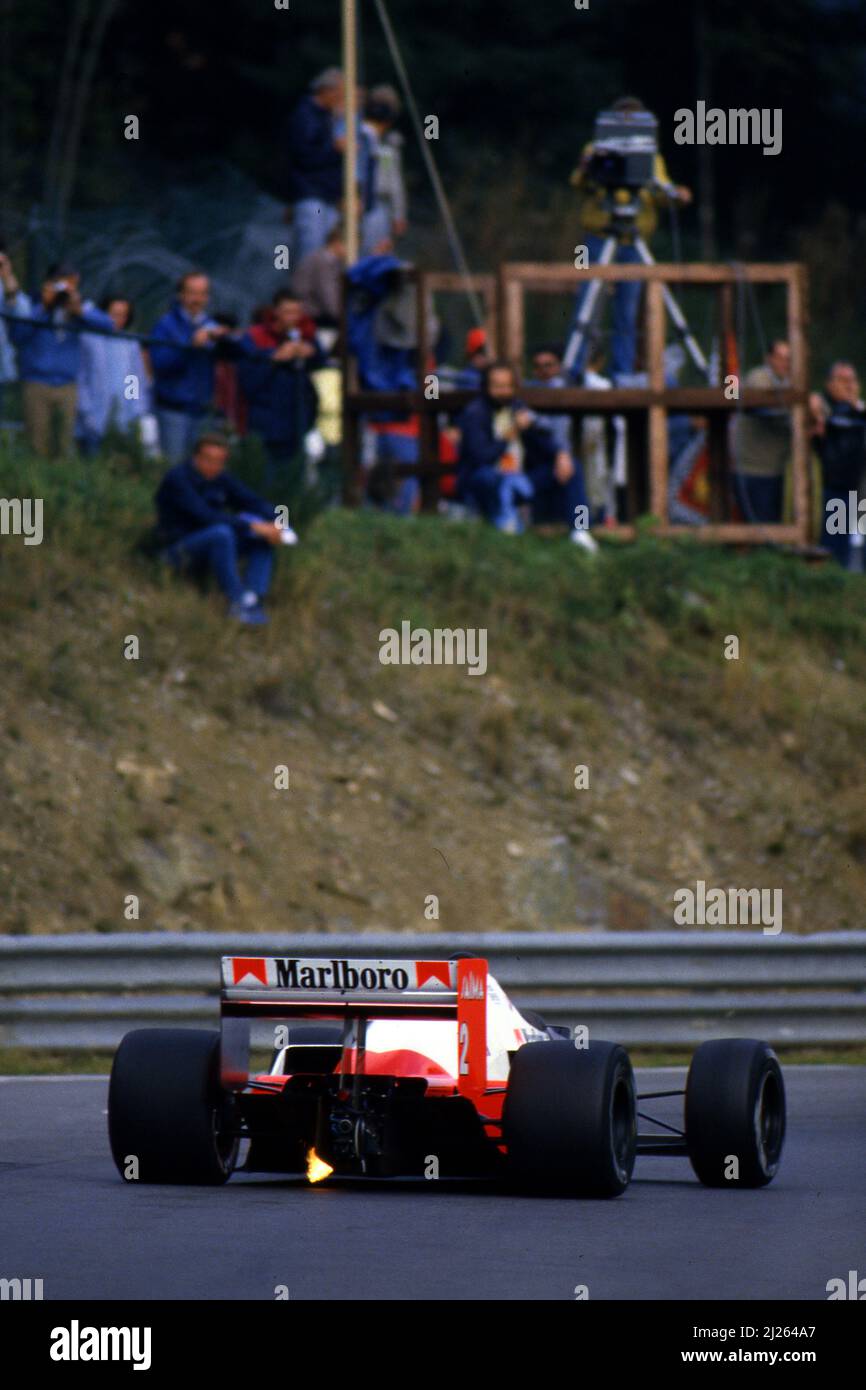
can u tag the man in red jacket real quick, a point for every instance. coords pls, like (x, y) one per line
(279, 354)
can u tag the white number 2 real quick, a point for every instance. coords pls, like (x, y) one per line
(463, 1036)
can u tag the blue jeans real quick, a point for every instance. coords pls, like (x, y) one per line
(553, 501)
(375, 227)
(178, 432)
(496, 494)
(399, 448)
(626, 300)
(216, 550)
(760, 498)
(838, 544)
(311, 223)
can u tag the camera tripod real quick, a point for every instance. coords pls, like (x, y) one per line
(590, 303)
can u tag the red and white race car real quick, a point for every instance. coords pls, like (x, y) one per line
(424, 1068)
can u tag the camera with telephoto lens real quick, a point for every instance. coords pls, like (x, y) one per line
(624, 148)
(61, 294)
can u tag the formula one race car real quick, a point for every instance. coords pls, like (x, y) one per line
(400, 1068)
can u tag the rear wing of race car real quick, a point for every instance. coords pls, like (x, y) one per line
(354, 991)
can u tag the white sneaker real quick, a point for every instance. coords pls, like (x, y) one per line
(585, 540)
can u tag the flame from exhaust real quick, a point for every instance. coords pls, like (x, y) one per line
(317, 1168)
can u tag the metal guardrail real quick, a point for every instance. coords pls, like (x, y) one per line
(640, 988)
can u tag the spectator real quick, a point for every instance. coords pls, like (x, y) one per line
(547, 366)
(602, 446)
(8, 370)
(365, 164)
(279, 355)
(48, 339)
(393, 442)
(209, 522)
(183, 365)
(763, 442)
(385, 220)
(478, 358)
(839, 416)
(507, 457)
(597, 223)
(315, 158)
(113, 379)
(318, 280)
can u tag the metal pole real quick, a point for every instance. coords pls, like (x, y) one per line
(350, 159)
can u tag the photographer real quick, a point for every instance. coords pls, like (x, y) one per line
(48, 339)
(279, 354)
(184, 379)
(599, 219)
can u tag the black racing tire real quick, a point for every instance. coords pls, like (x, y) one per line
(166, 1108)
(570, 1119)
(735, 1108)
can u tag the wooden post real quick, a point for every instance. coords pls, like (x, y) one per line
(513, 320)
(658, 416)
(717, 421)
(350, 156)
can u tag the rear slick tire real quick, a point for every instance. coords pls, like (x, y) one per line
(167, 1111)
(570, 1119)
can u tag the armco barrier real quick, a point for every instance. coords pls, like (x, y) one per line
(670, 988)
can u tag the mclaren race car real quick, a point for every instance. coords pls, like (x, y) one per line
(421, 1068)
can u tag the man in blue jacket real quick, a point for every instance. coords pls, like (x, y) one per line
(47, 336)
(209, 521)
(315, 163)
(182, 356)
(547, 366)
(508, 457)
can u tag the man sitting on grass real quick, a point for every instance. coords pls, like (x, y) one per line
(509, 458)
(209, 522)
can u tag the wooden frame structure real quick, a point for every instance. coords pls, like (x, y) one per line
(646, 409)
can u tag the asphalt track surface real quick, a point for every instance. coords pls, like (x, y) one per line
(66, 1217)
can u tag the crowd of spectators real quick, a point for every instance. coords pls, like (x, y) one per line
(196, 380)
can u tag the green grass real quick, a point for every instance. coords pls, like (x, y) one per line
(530, 591)
(617, 661)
